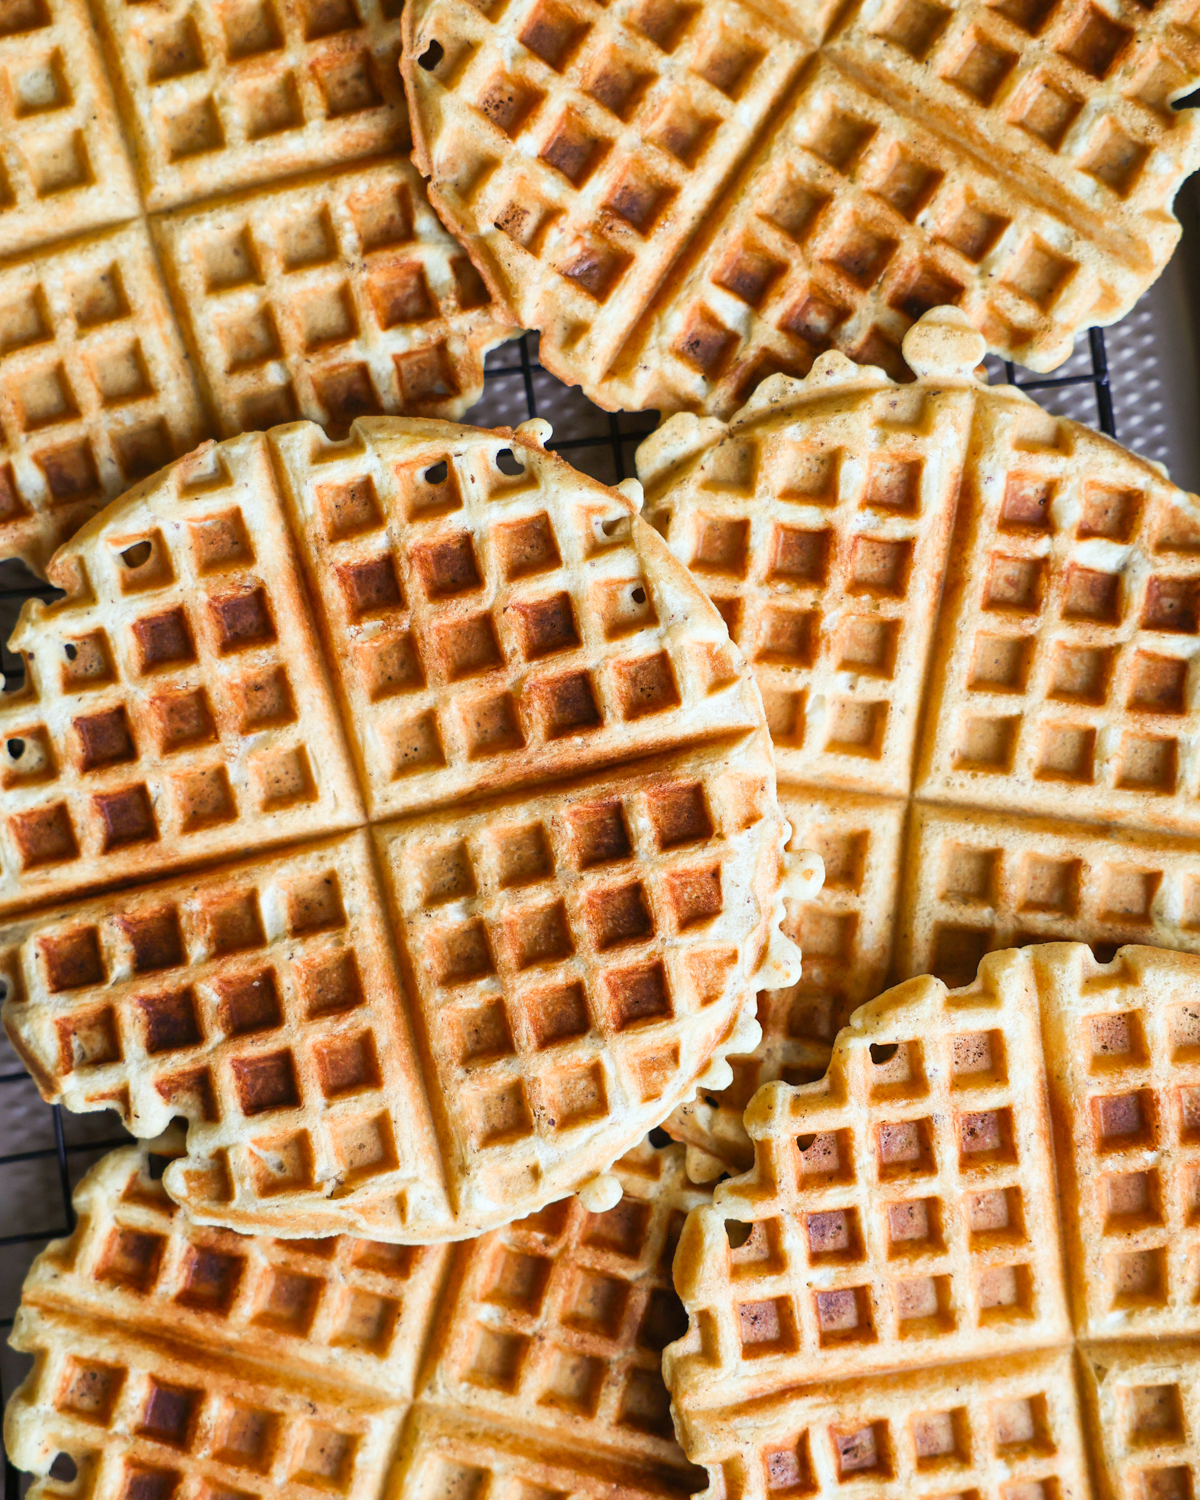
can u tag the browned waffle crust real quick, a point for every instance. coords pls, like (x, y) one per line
(419, 1029)
(965, 1261)
(999, 759)
(206, 227)
(685, 198)
(173, 1360)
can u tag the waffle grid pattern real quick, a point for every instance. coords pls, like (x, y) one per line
(1041, 694)
(249, 244)
(343, 1344)
(575, 957)
(174, 705)
(488, 617)
(557, 137)
(872, 1267)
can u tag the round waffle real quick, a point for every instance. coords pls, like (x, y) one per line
(170, 1359)
(686, 198)
(247, 244)
(973, 625)
(964, 1261)
(569, 889)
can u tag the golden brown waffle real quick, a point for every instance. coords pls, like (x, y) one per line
(686, 198)
(884, 1298)
(1035, 712)
(172, 1359)
(208, 288)
(418, 1031)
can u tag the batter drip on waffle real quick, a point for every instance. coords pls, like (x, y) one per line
(171, 1359)
(890, 1296)
(246, 246)
(685, 199)
(416, 1029)
(972, 625)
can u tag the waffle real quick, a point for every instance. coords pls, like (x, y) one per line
(975, 619)
(685, 199)
(169, 1357)
(249, 251)
(886, 1298)
(572, 879)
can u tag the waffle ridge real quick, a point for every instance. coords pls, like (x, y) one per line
(512, 863)
(884, 1298)
(247, 247)
(967, 616)
(169, 1355)
(686, 199)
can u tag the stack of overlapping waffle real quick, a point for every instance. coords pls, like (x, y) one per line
(686, 197)
(207, 226)
(974, 626)
(468, 808)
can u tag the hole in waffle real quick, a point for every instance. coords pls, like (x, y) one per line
(1115, 158)
(73, 960)
(330, 986)
(546, 626)
(694, 896)
(729, 63)
(347, 1065)
(169, 1413)
(833, 1235)
(125, 817)
(315, 905)
(45, 836)
(620, 914)
(234, 924)
(985, 1137)
(737, 1233)
(527, 547)
(210, 1279)
(89, 1391)
(1133, 1201)
(567, 705)
(599, 834)
(768, 1327)
(431, 56)
(1046, 112)
(508, 104)
(914, 1227)
(242, 620)
(64, 1469)
(266, 1082)
(89, 663)
(1123, 1122)
(705, 342)
(616, 82)
(558, 1014)
(290, 1304)
(843, 1317)
(646, 686)
(638, 198)
(1138, 1279)
(448, 567)
(538, 935)
(249, 1003)
(638, 995)
(483, 1033)
(349, 508)
(104, 739)
(1154, 1416)
(169, 1021)
(977, 1060)
(1171, 605)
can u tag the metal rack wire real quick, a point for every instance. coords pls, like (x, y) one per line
(36, 1181)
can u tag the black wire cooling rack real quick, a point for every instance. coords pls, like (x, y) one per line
(36, 1181)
